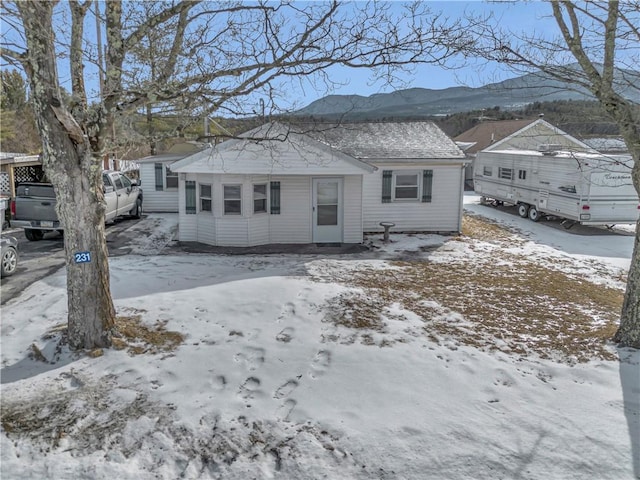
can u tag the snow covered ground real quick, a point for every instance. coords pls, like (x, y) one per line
(260, 388)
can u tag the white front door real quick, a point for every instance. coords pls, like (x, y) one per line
(327, 210)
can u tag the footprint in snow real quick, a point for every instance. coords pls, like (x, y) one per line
(284, 411)
(285, 389)
(285, 335)
(320, 364)
(252, 357)
(248, 388)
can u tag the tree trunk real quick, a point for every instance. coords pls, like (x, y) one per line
(628, 334)
(76, 174)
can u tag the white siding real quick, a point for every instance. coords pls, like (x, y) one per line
(442, 214)
(352, 204)
(232, 232)
(206, 226)
(293, 225)
(259, 229)
(156, 200)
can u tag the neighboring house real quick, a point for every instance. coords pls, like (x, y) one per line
(159, 182)
(514, 135)
(321, 183)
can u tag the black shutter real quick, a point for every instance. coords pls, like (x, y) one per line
(427, 185)
(387, 176)
(275, 198)
(159, 177)
(190, 196)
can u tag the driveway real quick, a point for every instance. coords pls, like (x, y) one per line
(40, 259)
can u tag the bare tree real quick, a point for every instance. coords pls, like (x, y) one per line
(220, 57)
(595, 50)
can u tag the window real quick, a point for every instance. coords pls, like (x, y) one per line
(190, 196)
(487, 171)
(505, 173)
(405, 186)
(118, 182)
(275, 198)
(171, 178)
(165, 178)
(260, 198)
(205, 197)
(522, 174)
(125, 181)
(232, 199)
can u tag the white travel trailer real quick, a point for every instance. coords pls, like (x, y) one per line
(589, 188)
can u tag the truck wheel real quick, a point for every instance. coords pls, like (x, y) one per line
(9, 262)
(136, 211)
(33, 235)
(523, 210)
(534, 214)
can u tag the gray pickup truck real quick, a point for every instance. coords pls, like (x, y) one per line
(34, 205)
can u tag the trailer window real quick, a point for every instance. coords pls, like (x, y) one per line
(505, 173)
(522, 174)
(487, 171)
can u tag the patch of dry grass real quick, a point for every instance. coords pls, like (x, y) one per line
(140, 338)
(505, 302)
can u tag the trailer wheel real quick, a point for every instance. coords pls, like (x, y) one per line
(534, 214)
(523, 210)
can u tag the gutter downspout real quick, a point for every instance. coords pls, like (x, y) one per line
(461, 199)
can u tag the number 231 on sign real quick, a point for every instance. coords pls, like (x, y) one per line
(82, 257)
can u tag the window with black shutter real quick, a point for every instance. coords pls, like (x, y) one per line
(275, 198)
(190, 196)
(159, 176)
(387, 178)
(427, 185)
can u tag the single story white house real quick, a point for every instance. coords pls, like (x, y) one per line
(321, 183)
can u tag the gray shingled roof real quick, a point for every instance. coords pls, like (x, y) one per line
(393, 141)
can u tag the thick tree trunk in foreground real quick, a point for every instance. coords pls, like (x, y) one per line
(628, 334)
(77, 176)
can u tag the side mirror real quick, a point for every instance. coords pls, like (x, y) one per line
(135, 182)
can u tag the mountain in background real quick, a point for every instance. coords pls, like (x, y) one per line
(512, 94)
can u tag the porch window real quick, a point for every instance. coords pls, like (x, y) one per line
(405, 186)
(190, 196)
(260, 198)
(205, 197)
(171, 178)
(232, 199)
